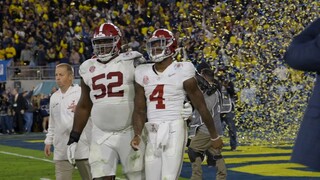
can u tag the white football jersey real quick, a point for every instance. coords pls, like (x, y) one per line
(164, 92)
(112, 91)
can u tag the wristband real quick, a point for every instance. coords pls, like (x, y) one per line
(214, 139)
(74, 137)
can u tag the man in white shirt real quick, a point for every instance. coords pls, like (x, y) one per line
(62, 107)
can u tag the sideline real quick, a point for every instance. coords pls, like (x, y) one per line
(30, 157)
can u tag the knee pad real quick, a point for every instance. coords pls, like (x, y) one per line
(193, 155)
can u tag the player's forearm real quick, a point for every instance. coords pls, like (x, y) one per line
(80, 120)
(208, 121)
(138, 121)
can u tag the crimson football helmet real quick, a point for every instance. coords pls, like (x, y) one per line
(161, 45)
(106, 41)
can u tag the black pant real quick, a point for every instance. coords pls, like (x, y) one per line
(18, 121)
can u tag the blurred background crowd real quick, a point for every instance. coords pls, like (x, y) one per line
(242, 40)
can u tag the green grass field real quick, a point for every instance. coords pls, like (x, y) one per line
(22, 158)
(26, 164)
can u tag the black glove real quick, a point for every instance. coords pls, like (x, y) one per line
(74, 137)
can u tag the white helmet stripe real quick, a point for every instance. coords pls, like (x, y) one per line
(101, 28)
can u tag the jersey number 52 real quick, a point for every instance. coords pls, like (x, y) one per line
(107, 89)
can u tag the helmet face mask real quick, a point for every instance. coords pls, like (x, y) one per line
(161, 45)
(106, 41)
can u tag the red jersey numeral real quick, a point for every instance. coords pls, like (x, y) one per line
(157, 95)
(107, 90)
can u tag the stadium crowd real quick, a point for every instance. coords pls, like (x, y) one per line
(246, 38)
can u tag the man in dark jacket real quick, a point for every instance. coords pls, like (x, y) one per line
(304, 54)
(19, 107)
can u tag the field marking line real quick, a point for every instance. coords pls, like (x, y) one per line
(30, 157)
(41, 159)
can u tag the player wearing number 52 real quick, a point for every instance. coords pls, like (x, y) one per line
(160, 90)
(107, 94)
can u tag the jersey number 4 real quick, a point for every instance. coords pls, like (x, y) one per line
(157, 95)
(107, 90)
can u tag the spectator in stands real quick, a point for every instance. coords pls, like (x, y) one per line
(62, 107)
(10, 51)
(27, 56)
(134, 44)
(2, 52)
(52, 59)
(74, 58)
(64, 56)
(40, 56)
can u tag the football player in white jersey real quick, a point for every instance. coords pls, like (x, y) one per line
(160, 90)
(107, 94)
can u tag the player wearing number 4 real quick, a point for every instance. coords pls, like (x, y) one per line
(107, 94)
(160, 89)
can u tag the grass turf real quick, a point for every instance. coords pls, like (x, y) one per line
(26, 164)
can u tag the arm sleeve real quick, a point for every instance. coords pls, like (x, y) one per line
(304, 50)
(188, 70)
(137, 74)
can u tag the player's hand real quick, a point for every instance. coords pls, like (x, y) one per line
(217, 144)
(71, 153)
(47, 150)
(135, 142)
(186, 111)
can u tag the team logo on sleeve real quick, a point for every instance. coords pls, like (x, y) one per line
(145, 80)
(92, 69)
(178, 65)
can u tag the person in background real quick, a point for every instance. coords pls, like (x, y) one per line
(62, 107)
(200, 144)
(19, 106)
(75, 57)
(27, 56)
(304, 54)
(28, 114)
(227, 107)
(160, 90)
(6, 114)
(10, 51)
(44, 111)
(52, 59)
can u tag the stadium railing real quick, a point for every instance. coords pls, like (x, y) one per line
(34, 73)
